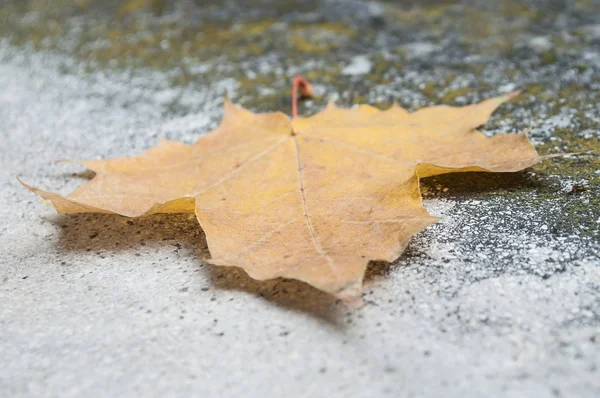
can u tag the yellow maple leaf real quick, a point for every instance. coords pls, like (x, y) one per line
(313, 199)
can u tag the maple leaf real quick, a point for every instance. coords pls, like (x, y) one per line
(313, 199)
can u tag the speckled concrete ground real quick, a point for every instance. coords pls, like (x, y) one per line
(500, 298)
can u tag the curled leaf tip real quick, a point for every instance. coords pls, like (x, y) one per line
(32, 189)
(511, 95)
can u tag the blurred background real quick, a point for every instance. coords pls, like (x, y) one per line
(435, 46)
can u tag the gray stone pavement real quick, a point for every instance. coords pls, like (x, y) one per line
(500, 298)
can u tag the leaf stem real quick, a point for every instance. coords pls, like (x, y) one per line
(299, 86)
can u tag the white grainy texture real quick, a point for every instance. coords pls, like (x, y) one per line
(491, 301)
(359, 65)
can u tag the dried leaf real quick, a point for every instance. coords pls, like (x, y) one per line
(314, 199)
(440, 139)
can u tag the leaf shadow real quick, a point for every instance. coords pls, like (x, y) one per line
(105, 234)
(102, 234)
(461, 185)
(82, 175)
(379, 270)
(287, 293)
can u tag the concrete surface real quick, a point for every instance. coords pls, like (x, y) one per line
(500, 298)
